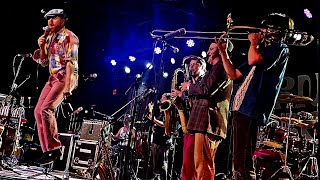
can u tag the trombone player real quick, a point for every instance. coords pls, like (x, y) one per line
(254, 100)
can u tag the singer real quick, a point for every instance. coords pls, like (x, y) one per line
(58, 49)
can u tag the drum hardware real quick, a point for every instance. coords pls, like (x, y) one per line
(10, 148)
(310, 169)
(285, 168)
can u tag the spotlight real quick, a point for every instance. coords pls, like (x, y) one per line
(165, 74)
(203, 54)
(190, 43)
(127, 69)
(132, 58)
(138, 76)
(173, 61)
(157, 50)
(113, 62)
(297, 37)
(149, 66)
(307, 13)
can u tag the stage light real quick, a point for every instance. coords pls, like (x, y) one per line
(127, 69)
(307, 13)
(190, 43)
(297, 37)
(157, 50)
(149, 66)
(165, 74)
(173, 61)
(113, 62)
(203, 54)
(138, 76)
(132, 58)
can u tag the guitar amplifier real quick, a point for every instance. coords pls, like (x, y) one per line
(91, 129)
(67, 142)
(85, 154)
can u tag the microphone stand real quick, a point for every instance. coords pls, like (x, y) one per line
(13, 92)
(146, 167)
(133, 100)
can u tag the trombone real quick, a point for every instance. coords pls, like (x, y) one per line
(158, 33)
(291, 37)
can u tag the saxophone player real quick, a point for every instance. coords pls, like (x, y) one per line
(210, 95)
(197, 69)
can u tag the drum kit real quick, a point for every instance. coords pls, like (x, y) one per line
(12, 118)
(285, 149)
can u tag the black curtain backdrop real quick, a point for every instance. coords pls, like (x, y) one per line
(117, 29)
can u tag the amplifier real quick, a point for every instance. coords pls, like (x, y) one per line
(85, 154)
(91, 129)
(67, 142)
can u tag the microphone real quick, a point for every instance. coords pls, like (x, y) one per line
(172, 48)
(77, 111)
(90, 76)
(25, 55)
(170, 35)
(147, 93)
(46, 31)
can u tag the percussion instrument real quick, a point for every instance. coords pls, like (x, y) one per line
(295, 99)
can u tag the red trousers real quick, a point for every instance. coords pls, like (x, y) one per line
(198, 157)
(49, 99)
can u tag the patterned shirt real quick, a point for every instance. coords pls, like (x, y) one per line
(209, 113)
(60, 48)
(258, 93)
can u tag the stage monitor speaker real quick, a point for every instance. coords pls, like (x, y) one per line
(91, 129)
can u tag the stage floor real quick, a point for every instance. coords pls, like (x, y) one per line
(33, 172)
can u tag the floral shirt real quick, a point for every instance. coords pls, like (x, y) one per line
(60, 48)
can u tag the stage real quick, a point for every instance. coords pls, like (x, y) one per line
(34, 172)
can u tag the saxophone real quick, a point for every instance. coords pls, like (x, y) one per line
(166, 105)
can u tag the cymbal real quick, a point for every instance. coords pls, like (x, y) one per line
(290, 98)
(311, 122)
(273, 144)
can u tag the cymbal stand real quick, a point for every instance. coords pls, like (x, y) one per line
(285, 168)
(312, 160)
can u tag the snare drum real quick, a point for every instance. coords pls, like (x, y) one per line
(275, 137)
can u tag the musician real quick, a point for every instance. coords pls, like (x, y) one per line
(159, 146)
(207, 124)
(197, 69)
(262, 78)
(123, 132)
(58, 49)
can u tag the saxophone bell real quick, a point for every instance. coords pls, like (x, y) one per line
(165, 105)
